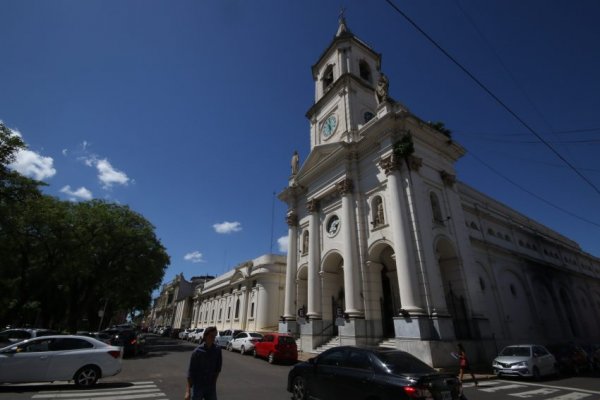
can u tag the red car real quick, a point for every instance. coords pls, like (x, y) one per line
(276, 347)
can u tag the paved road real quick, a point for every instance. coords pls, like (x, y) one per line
(160, 375)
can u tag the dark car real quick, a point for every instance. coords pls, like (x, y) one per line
(359, 373)
(129, 340)
(571, 358)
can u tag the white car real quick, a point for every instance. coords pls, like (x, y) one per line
(80, 359)
(197, 335)
(185, 333)
(529, 360)
(244, 342)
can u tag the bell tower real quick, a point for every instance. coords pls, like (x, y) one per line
(346, 77)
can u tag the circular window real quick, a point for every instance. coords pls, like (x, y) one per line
(333, 226)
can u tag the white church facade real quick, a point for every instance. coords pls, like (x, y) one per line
(385, 244)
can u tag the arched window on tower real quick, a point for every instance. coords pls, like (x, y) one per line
(365, 70)
(436, 209)
(327, 77)
(378, 216)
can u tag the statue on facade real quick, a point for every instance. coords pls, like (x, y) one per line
(295, 162)
(381, 90)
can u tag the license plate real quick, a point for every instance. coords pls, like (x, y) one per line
(446, 396)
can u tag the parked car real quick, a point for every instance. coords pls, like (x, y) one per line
(101, 336)
(197, 335)
(184, 333)
(175, 333)
(244, 342)
(16, 335)
(131, 342)
(570, 357)
(80, 359)
(223, 338)
(360, 372)
(276, 347)
(529, 360)
(593, 352)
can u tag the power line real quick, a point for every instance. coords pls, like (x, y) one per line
(531, 193)
(492, 95)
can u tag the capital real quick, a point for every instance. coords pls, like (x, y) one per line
(312, 206)
(291, 218)
(447, 178)
(345, 187)
(390, 164)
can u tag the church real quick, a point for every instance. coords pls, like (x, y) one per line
(388, 247)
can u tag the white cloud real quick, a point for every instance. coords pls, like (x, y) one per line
(194, 256)
(108, 175)
(227, 227)
(283, 243)
(33, 165)
(80, 194)
(65, 152)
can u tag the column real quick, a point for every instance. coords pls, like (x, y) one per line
(314, 258)
(345, 189)
(407, 273)
(289, 312)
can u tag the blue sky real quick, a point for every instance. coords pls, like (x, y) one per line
(189, 111)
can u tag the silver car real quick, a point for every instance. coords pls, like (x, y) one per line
(530, 360)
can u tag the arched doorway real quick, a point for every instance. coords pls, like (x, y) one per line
(332, 278)
(301, 288)
(383, 294)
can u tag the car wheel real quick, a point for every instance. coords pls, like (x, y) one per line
(271, 358)
(242, 350)
(229, 347)
(299, 389)
(87, 376)
(536, 373)
(254, 353)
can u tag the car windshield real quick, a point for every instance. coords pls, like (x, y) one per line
(516, 351)
(256, 335)
(286, 340)
(404, 363)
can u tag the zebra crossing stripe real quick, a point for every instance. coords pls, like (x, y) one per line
(106, 392)
(531, 393)
(107, 396)
(571, 396)
(501, 387)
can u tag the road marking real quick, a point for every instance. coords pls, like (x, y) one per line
(536, 392)
(571, 396)
(501, 387)
(559, 387)
(135, 390)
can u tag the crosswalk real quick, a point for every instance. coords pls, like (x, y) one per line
(131, 391)
(527, 390)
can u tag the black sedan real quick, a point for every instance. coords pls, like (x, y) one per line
(361, 373)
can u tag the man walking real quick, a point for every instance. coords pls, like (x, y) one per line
(205, 365)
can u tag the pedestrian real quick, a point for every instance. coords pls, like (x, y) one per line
(205, 366)
(463, 363)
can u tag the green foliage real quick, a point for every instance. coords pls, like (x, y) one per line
(62, 261)
(440, 127)
(404, 147)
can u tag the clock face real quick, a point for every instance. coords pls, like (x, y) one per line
(329, 126)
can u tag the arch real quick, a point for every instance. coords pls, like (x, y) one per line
(327, 77)
(519, 316)
(381, 289)
(332, 286)
(550, 326)
(365, 70)
(567, 303)
(302, 286)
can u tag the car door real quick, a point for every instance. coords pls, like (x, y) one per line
(68, 355)
(26, 362)
(324, 383)
(238, 340)
(265, 346)
(354, 375)
(545, 360)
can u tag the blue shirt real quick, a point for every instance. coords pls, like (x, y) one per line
(205, 365)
